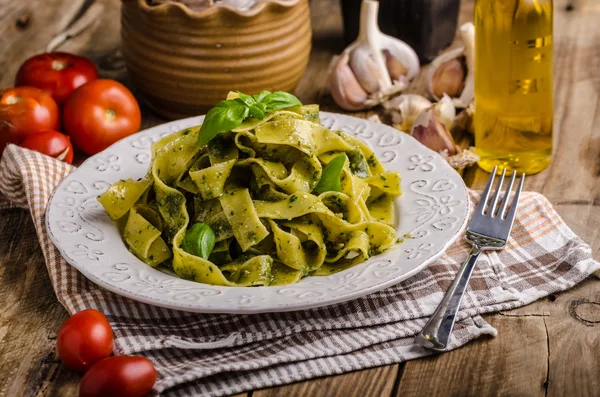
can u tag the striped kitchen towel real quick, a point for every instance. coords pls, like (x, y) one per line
(216, 355)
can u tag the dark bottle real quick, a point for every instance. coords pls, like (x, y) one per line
(428, 26)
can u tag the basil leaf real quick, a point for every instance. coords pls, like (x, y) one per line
(225, 116)
(248, 100)
(330, 178)
(199, 240)
(260, 97)
(228, 114)
(258, 111)
(280, 100)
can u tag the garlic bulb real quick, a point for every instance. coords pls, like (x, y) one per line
(372, 68)
(431, 132)
(405, 109)
(453, 72)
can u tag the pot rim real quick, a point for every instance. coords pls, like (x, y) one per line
(165, 8)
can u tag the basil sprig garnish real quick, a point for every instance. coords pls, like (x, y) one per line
(199, 240)
(330, 178)
(228, 114)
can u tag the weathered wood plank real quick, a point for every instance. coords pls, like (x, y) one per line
(574, 343)
(372, 382)
(30, 315)
(572, 319)
(500, 366)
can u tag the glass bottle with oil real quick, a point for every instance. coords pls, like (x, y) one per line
(513, 84)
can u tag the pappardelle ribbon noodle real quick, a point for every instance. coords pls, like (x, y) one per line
(245, 210)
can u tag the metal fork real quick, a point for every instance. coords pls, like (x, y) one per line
(488, 230)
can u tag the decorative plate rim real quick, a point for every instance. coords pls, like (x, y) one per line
(239, 300)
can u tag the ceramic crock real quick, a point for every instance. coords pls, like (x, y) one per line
(185, 61)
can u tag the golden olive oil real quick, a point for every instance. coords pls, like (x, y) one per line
(513, 84)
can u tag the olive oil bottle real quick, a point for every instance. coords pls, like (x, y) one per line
(513, 84)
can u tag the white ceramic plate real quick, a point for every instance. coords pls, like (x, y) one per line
(433, 211)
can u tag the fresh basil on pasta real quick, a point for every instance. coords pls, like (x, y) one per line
(255, 201)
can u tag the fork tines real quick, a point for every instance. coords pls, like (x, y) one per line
(495, 208)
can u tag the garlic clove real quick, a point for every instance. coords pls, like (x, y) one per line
(445, 75)
(452, 72)
(344, 87)
(431, 132)
(405, 109)
(366, 70)
(449, 78)
(396, 69)
(445, 110)
(403, 53)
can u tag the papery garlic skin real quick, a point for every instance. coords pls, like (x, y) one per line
(462, 159)
(431, 132)
(382, 65)
(447, 74)
(464, 120)
(405, 109)
(445, 110)
(375, 119)
(467, 95)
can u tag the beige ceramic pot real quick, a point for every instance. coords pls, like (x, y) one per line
(185, 61)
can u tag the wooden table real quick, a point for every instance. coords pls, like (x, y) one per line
(549, 348)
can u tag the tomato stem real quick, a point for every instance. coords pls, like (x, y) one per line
(13, 99)
(110, 114)
(58, 65)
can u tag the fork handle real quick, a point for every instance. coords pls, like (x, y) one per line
(436, 333)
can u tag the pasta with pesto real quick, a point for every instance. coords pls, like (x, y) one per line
(262, 190)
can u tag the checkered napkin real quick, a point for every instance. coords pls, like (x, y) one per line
(216, 355)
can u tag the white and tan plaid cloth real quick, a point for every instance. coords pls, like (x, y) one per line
(216, 355)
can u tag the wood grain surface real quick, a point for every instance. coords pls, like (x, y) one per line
(548, 348)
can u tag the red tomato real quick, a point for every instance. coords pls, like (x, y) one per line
(99, 113)
(120, 376)
(85, 338)
(25, 111)
(58, 73)
(50, 143)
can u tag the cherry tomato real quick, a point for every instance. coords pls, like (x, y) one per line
(50, 143)
(85, 338)
(58, 73)
(99, 113)
(120, 376)
(25, 111)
